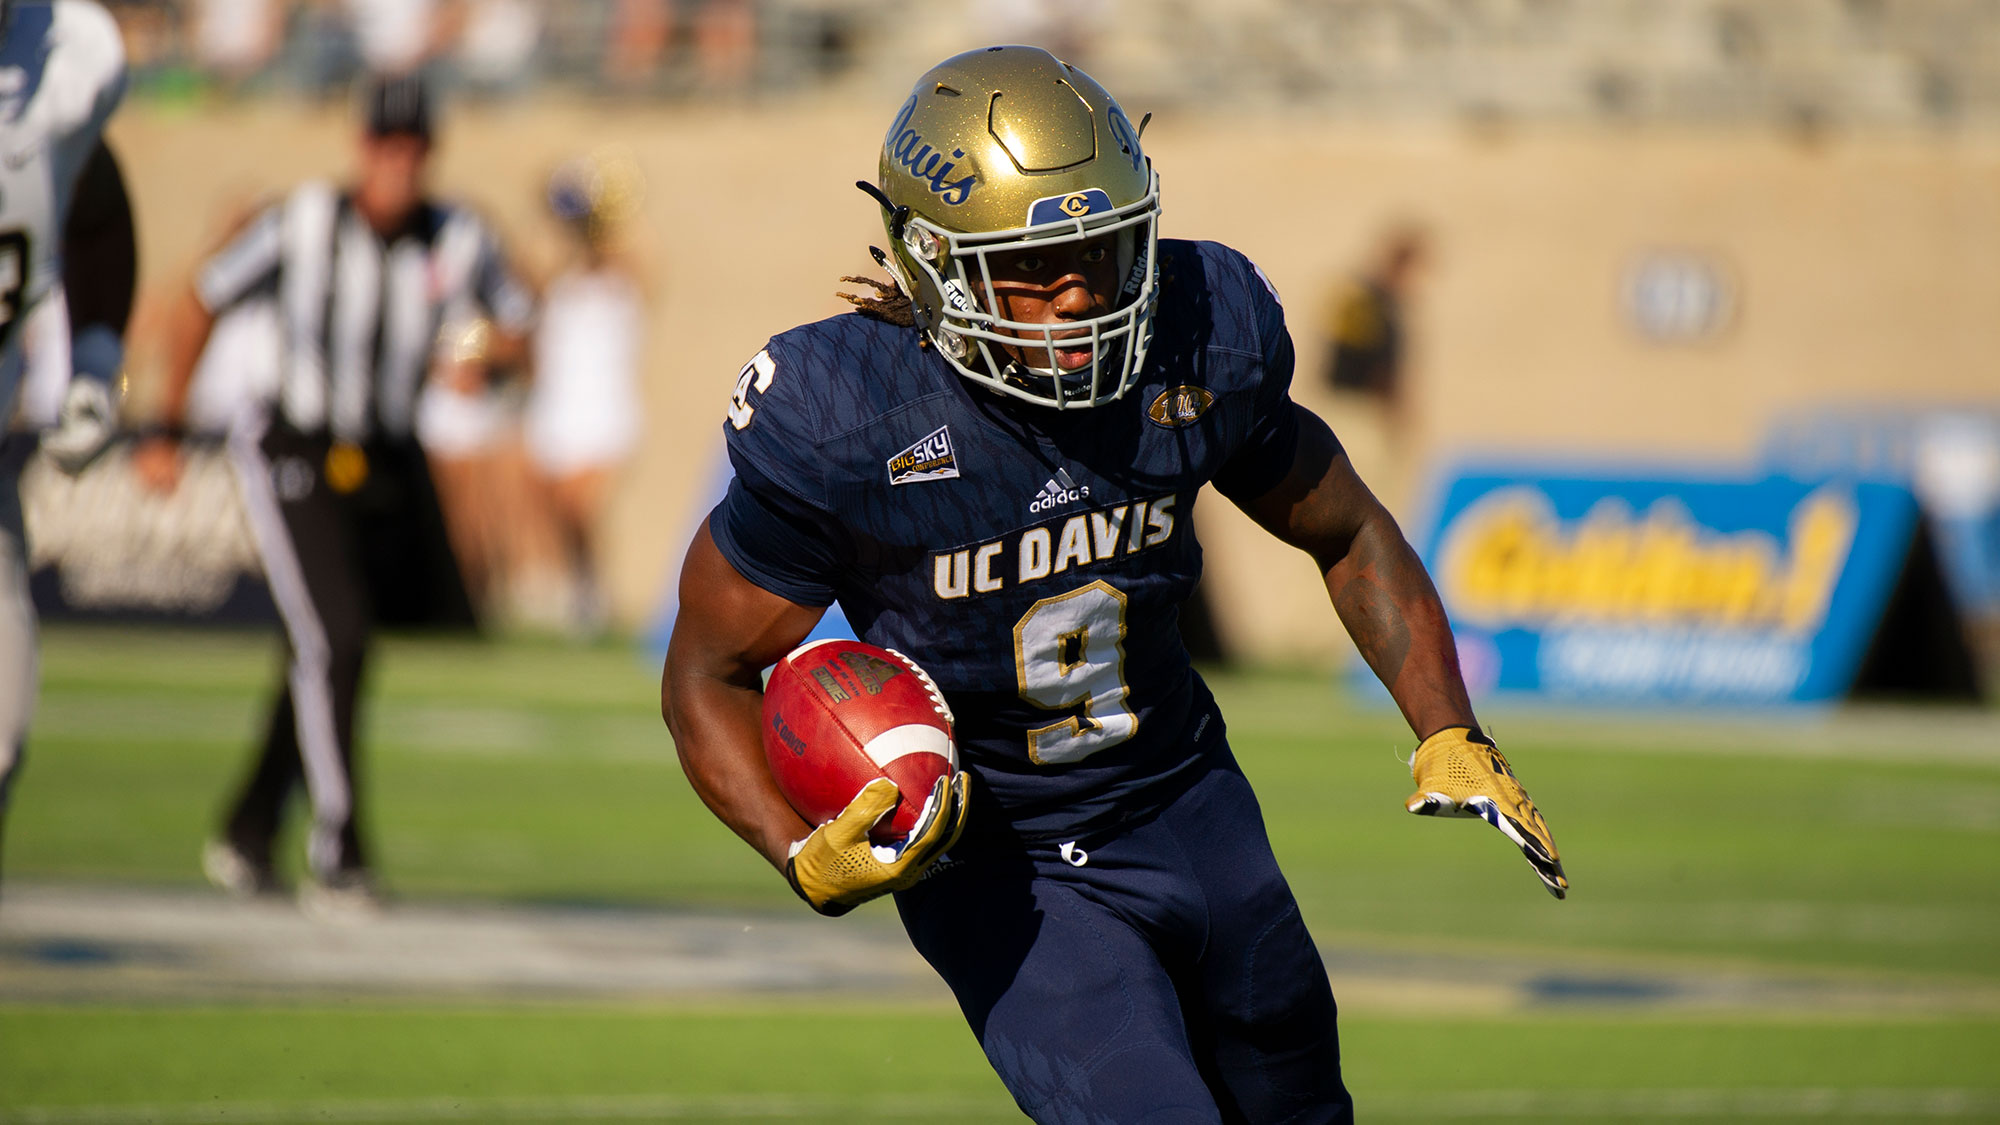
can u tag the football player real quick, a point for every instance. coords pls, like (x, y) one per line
(993, 469)
(62, 210)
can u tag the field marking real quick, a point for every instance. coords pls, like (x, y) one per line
(452, 729)
(68, 942)
(63, 943)
(1930, 1103)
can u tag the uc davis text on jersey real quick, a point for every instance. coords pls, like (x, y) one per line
(1039, 552)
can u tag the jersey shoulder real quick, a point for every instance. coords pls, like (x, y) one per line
(809, 387)
(833, 376)
(1217, 292)
(1220, 323)
(848, 355)
(86, 34)
(85, 75)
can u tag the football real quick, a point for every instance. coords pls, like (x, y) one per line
(840, 713)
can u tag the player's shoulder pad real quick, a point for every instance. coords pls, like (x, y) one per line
(1234, 268)
(773, 418)
(834, 370)
(804, 387)
(86, 60)
(85, 25)
(1236, 298)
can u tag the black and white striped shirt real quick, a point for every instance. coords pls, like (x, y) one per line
(361, 312)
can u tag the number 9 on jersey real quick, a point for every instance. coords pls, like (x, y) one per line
(1069, 655)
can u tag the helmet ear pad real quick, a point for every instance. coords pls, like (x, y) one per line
(1009, 147)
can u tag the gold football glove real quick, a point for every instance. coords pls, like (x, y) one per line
(836, 869)
(1459, 772)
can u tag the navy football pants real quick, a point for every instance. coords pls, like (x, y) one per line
(1160, 974)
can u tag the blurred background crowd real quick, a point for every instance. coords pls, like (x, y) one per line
(1804, 62)
(1670, 238)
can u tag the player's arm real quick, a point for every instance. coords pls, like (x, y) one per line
(727, 632)
(1378, 585)
(1386, 600)
(248, 263)
(157, 456)
(711, 693)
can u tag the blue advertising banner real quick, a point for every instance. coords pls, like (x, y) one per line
(1659, 589)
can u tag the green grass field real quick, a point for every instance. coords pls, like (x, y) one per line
(1858, 851)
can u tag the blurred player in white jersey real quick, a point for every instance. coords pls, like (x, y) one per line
(62, 72)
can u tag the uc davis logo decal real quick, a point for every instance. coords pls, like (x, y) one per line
(1072, 205)
(909, 149)
(1180, 406)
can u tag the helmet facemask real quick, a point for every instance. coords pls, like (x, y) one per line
(974, 337)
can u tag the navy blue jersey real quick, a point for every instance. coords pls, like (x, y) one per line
(1032, 561)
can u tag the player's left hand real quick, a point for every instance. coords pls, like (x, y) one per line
(84, 426)
(836, 869)
(1459, 772)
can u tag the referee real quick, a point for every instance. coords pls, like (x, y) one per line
(334, 483)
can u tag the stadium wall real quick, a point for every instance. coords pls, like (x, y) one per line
(1857, 268)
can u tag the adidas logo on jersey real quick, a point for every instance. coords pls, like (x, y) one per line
(1059, 491)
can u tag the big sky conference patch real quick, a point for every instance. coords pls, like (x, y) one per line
(930, 458)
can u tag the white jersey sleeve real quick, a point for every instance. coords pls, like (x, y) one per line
(62, 73)
(88, 83)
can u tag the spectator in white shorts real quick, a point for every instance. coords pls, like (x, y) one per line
(583, 413)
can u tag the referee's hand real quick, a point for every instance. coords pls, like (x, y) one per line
(157, 462)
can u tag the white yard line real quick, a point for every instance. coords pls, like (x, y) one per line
(61, 942)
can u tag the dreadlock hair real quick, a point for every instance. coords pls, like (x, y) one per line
(888, 302)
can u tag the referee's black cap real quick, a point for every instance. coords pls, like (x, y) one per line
(398, 105)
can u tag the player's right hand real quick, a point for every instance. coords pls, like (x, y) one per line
(835, 869)
(1459, 772)
(157, 463)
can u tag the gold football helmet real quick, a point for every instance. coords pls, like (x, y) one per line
(1007, 147)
